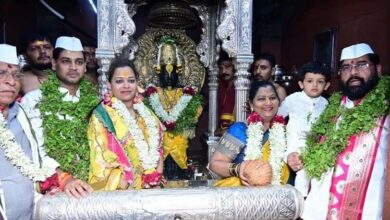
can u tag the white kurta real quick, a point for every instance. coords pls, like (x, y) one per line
(29, 103)
(316, 204)
(303, 111)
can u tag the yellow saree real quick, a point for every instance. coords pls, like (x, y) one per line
(112, 151)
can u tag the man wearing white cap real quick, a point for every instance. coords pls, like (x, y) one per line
(24, 164)
(59, 110)
(346, 154)
(18, 188)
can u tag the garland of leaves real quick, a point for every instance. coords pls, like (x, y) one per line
(320, 155)
(66, 140)
(187, 118)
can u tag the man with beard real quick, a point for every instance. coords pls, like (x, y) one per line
(92, 66)
(226, 93)
(38, 51)
(347, 147)
(263, 69)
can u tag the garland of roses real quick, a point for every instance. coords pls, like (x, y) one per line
(277, 138)
(15, 155)
(320, 156)
(185, 118)
(148, 151)
(66, 140)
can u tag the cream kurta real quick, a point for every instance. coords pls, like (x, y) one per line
(303, 111)
(30, 102)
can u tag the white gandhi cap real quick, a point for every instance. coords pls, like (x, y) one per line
(69, 43)
(8, 54)
(355, 51)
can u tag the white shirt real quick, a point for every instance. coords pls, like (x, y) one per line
(29, 103)
(303, 111)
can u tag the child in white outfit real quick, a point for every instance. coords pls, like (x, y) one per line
(303, 109)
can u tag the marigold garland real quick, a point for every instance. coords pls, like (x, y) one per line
(320, 156)
(66, 140)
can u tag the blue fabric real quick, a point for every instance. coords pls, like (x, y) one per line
(238, 130)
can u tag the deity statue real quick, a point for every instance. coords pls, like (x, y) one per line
(177, 107)
(168, 61)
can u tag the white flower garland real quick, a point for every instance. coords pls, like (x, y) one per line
(175, 112)
(278, 146)
(149, 153)
(16, 156)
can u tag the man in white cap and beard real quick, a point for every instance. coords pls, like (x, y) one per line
(59, 109)
(24, 164)
(347, 147)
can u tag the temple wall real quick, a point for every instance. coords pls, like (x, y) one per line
(357, 21)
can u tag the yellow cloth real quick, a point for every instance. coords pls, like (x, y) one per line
(105, 172)
(235, 181)
(175, 145)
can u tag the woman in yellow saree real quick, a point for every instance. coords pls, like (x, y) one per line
(125, 137)
(263, 137)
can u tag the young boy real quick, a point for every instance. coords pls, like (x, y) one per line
(303, 109)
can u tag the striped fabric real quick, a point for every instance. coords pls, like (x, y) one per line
(2, 204)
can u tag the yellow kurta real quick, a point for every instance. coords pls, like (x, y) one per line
(105, 171)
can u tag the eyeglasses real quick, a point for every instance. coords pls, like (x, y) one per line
(359, 67)
(15, 75)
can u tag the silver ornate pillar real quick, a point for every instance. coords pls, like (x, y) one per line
(274, 202)
(115, 26)
(206, 49)
(235, 31)
(207, 52)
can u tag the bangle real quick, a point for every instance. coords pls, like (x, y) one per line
(233, 169)
(236, 169)
(62, 178)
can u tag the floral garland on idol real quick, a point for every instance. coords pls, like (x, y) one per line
(326, 141)
(148, 150)
(277, 138)
(182, 116)
(15, 155)
(65, 139)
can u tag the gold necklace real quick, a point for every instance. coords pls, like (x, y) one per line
(168, 100)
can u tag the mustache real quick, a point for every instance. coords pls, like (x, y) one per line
(43, 57)
(355, 78)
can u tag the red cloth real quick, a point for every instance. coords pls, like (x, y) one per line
(226, 103)
(49, 184)
(386, 204)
